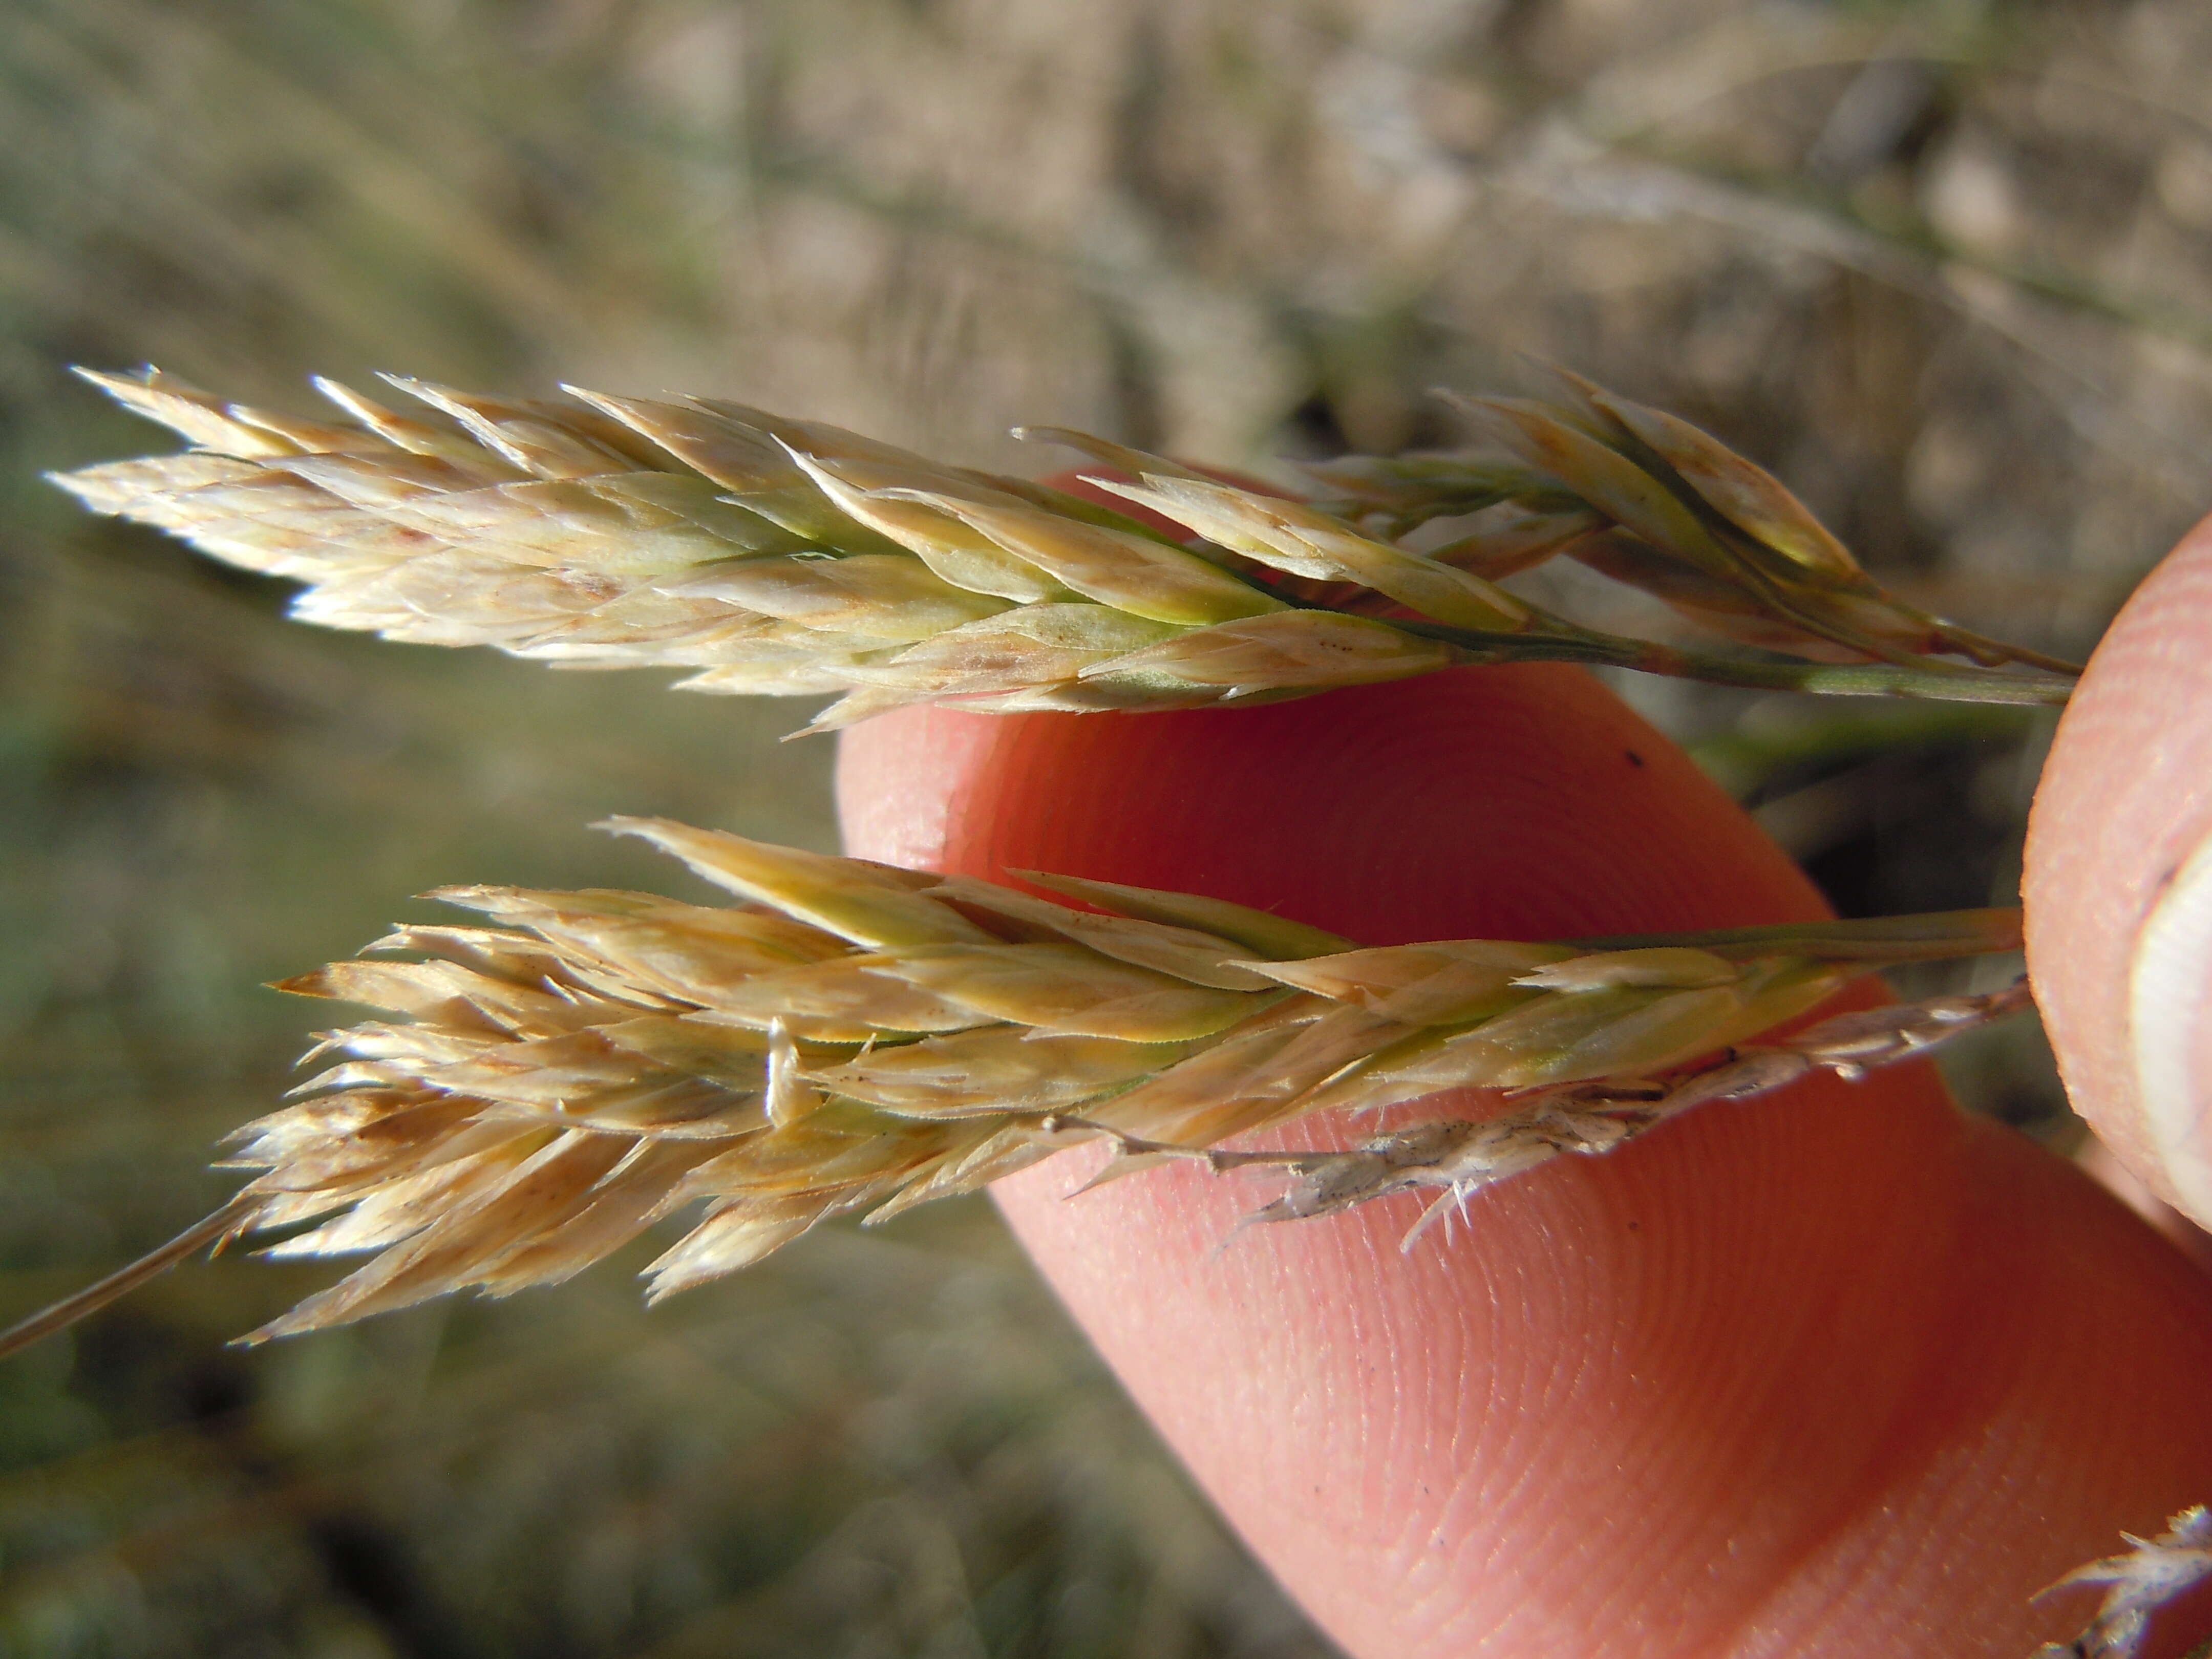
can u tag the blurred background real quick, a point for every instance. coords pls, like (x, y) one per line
(1947, 267)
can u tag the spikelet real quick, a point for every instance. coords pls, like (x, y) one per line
(1463, 1156)
(544, 1085)
(1648, 500)
(771, 556)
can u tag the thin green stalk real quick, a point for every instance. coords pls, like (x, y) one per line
(1941, 683)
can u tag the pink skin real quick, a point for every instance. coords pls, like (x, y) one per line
(1834, 1372)
(2125, 799)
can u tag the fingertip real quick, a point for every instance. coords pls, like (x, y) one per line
(1521, 802)
(2118, 884)
(893, 803)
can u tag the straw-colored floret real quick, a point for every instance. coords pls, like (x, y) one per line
(765, 555)
(1646, 498)
(546, 1085)
(1463, 1156)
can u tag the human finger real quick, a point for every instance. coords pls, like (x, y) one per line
(1836, 1371)
(2119, 885)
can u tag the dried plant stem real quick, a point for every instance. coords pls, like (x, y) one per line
(210, 1232)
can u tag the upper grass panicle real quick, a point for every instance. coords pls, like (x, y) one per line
(787, 557)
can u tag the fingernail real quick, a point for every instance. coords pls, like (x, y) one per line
(2170, 1021)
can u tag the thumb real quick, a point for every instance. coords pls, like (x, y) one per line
(1832, 1372)
(2119, 885)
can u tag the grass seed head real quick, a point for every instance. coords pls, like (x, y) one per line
(535, 1093)
(765, 555)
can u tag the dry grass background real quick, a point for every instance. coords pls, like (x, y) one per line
(1947, 267)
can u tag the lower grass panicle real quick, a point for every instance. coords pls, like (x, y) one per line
(539, 1087)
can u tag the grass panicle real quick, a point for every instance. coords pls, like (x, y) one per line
(542, 1087)
(765, 555)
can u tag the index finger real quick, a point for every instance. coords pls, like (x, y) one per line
(1838, 1371)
